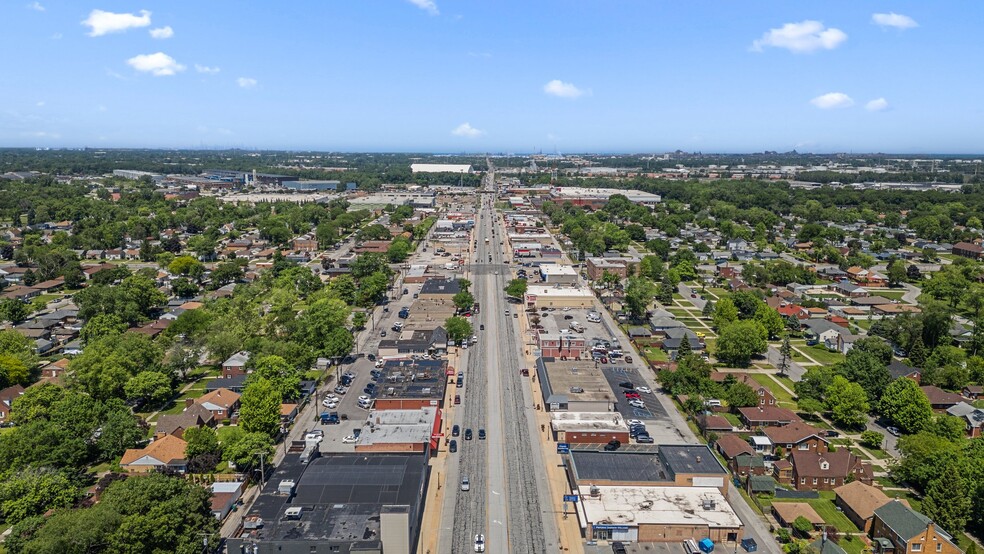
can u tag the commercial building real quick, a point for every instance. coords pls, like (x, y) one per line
(542, 296)
(598, 197)
(311, 186)
(439, 289)
(412, 384)
(440, 168)
(400, 431)
(134, 174)
(558, 274)
(573, 386)
(338, 504)
(588, 427)
(670, 496)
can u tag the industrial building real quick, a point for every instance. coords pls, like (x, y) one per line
(440, 168)
(312, 186)
(338, 504)
(596, 197)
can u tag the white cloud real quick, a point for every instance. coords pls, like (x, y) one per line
(246, 82)
(466, 130)
(40, 104)
(43, 134)
(36, 6)
(832, 100)
(427, 5)
(206, 69)
(101, 22)
(162, 33)
(563, 90)
(805, 36)
(158, 64)
(896, 20)
(876, 105)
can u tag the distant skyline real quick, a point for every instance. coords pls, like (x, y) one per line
(503, 76)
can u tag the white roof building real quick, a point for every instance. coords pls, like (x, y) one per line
(661, 506)
(440, 168)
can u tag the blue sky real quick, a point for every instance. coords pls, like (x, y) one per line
(496, 76)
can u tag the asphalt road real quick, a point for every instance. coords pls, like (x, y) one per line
(508, 500)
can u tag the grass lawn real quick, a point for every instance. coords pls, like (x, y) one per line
(890, 294)
(780, 393)
(887, 482)
(719, 292)
(826, 509)
(785, 381)
(710, 345)
(824, 356)
(733, 419)
(797, 357)
(862, 323)
(857, 452)
(226, 431)
(655, 355)
(47, 297)
(879, 453)
(852, 546)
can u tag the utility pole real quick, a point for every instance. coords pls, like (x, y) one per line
(262, 469)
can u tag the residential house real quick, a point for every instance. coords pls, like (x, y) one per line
(973, 392)
(849, 289)
(967, 250)
(845, 342)
(7, 397)
(715, 424)
(898, 529)
(822, 331)
(782, 471)
(766, 416)
(167, 452)
(766, 398)
(730, 446)
(899, 369)
(221, 402)
(195, 415)
(745, 465)
(940, 399)
(53, 371)
(796, 436)
(761, 444)
(972, 416)
(236, 383)
(235, 365)
(865, 277)
(827, 470)
(787, 512)
(859, 501)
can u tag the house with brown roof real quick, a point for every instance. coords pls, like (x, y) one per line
(827, 470)
(715, 424)
(782, 471)
(195, 415)
(859, 501)
(7, 397)
(221, 402)
(767, 416)
(796, 436)
(731, 446)
(54, 370)
(766, 398)
(973, 392)
(967, 250)
(787, 512)
(940, 399)
(167, 452)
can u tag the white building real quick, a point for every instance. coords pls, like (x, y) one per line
(440, 168)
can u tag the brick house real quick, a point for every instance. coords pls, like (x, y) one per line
(235, 365)
(221, 402)
(967, 250)
(859, 501)
(766, 416)
(827, 470)
(898, 529)
(940, 399)
(796, 436)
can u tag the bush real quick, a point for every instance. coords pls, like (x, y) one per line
(871, 439)
(802, 526)
(783, 536)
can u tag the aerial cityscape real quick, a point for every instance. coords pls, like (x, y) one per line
(435, 277)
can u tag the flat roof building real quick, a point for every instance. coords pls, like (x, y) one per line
(540, 296)
(400, 430)
(338, 503)
(574, 386)
(412, 384)
(558, 274)
(440, 168)
(310, 186)
(588, 427)
(684, 465)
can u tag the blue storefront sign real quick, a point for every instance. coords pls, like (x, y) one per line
(563, 448)
(570, 498)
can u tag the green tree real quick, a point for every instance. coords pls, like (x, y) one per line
(896, 273)
(917, 352)
(516, 288)
(259, 410)
(725, 312)
(847, 402)
(13, 310)
(802, 526)
(151, 386)
(202, 451)
(785, 356)
(950, 284)
(770, 319)
(359, 320)
(708, 310)
(244, 451)
(463, 300)
(458, 329)
(906, 406)
(284, 377)
(871, 439)
(100, 326)
(740, 395)
(639, 295)
(33, 492)
(867, 370)
(372, 289)
(946, 501)
(739, 341)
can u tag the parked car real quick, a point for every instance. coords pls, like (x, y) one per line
(628, 359)
(455, 431)
(644, 438)
(349, 439)
(646, 390)
(893, 430)
(637, 403)
(340, 389)
(618, 548)
(749, 544)
(612, 445)
(627, 385)
(453, 446)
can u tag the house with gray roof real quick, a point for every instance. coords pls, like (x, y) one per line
(898, 529)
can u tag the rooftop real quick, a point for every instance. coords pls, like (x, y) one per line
(562, 375)
(398, 426)
(544, 290)
(692, 506)
(581, 421)
(636, 467)
(413, 379)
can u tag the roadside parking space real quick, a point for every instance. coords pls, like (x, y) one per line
(653, 409)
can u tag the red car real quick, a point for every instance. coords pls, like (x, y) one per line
(604, 360)
(632, 395)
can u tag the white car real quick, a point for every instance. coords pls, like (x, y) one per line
(632, 422)
(332, 397)
(646, 390)
(365, 398)
(637, 403)
(329, 404)
(349, 439)
(479, 543)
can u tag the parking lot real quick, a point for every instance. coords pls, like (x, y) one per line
(352, 415)
(616, 374)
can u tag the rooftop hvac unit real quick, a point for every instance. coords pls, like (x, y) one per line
(646, 505)
(708, 504)
(286, 486)
(594, 491)
(294, 512)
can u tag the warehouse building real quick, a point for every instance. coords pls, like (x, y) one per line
(440, 168)
(558, 274)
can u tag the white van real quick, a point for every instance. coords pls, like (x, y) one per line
(594, 317)
(576, 327)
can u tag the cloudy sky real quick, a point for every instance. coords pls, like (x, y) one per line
(494, 75)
